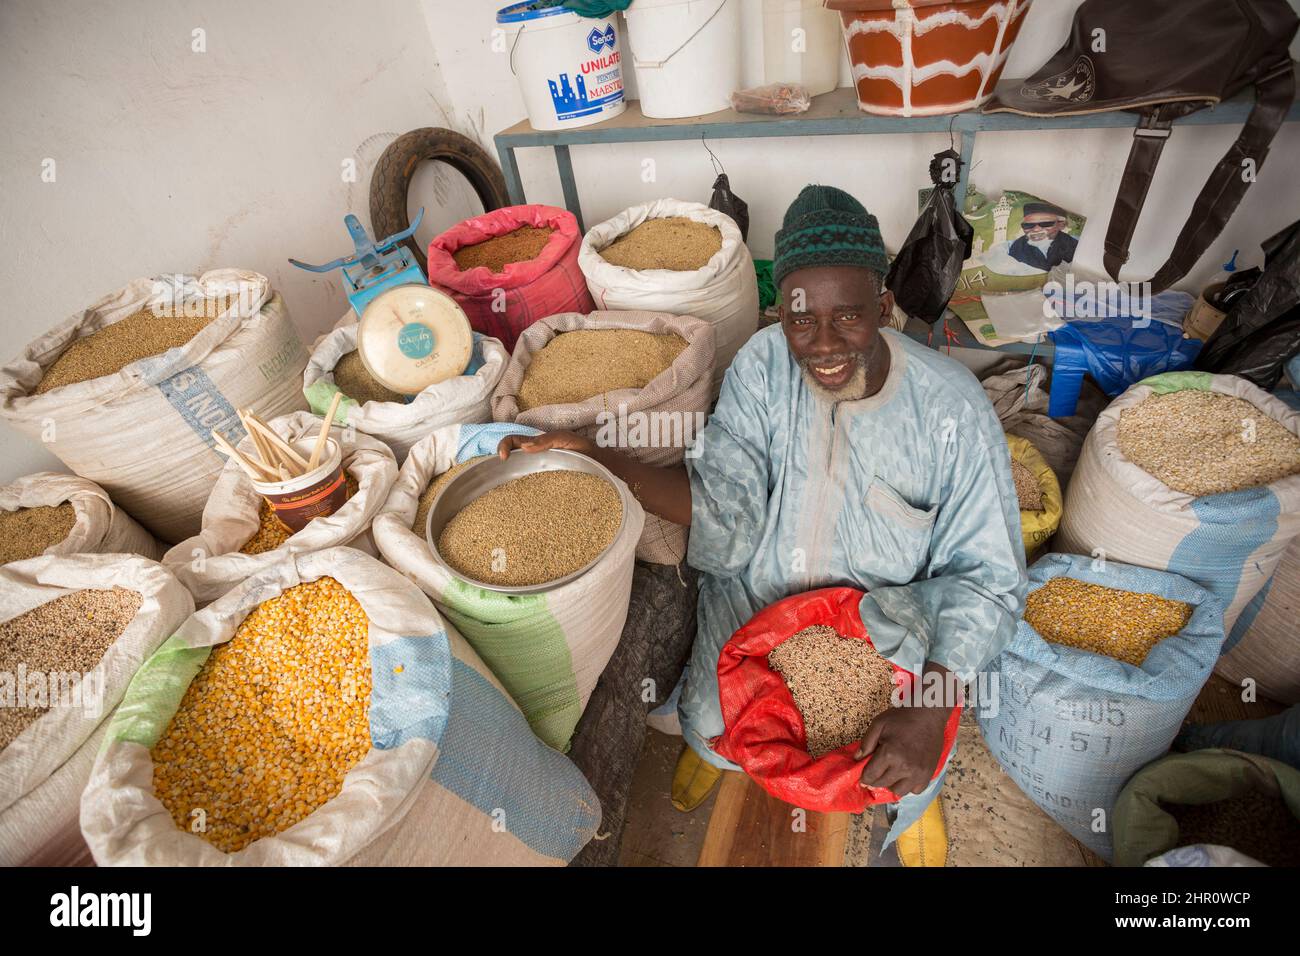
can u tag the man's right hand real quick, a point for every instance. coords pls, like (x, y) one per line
(545, 442)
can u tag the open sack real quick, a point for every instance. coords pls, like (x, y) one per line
(764, 729)
(454, 777)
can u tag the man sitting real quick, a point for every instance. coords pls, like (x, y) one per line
(841, 452)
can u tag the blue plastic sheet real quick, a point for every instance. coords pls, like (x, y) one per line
(1118, 350)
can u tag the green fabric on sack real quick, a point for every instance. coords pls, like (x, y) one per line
(1142, 827)
(1169, 382)
(154, 694)
(320, 393)
(592, 8)
(522, 643)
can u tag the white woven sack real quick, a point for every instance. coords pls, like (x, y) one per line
(99, 527)
(723, 293)
(143, 434)
(668, 412)
(44, 768)
(1265, 642)
(547, 649)
(457, 401)
(1229, 544)
(453, 776)
(210, 563)
(1070, 727)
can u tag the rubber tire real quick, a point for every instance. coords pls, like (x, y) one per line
(391, 181)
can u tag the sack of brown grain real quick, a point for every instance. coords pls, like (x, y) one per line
(417, 757)
(653, 422)
(723, 291)
(52, 513)
(549, 648)
(1192, 473)
(127, 391)
(235, 516)
(79, 626)
(373, 410)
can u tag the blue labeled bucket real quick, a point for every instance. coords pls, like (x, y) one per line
(569, 68)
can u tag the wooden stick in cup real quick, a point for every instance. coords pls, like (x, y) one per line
(324, 432)
(254, 470)
(260, 444)
(278, 442)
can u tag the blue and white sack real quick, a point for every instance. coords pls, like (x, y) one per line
(1229, 544)
(1069, 726)
(454, 776)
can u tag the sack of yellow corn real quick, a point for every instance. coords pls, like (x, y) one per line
(1039, 493)
(548, 649)
(236, 543)
(324, 713)
(78, 626)
(1104, 666)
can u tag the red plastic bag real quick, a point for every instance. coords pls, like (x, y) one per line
(765, 732)
(548, 285)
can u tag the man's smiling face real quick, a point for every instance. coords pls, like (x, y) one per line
(832, 316)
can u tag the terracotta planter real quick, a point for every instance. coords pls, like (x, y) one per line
(921, 57)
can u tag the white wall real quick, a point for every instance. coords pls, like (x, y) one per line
(171, 160)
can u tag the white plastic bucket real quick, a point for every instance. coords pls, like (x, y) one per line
(801, 44)
(569, 67)
(686, 55)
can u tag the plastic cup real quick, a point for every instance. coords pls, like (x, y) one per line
(319, 492)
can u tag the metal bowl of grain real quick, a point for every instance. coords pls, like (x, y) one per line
(479, 479)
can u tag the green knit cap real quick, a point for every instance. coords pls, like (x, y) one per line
(826, 226)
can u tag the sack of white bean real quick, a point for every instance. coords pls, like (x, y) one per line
(1192, 473)
(389, 417)
(1069, 718)
(418, 756)
(94, 524)
(76, 628)
(585, 390)
(219, 556)
(548, 649)
(127, 391)
(723, 292)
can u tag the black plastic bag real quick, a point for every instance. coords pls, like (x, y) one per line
(724, 200)
(1262, 330)
(924, 274)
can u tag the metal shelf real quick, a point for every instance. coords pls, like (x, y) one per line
(831, 114)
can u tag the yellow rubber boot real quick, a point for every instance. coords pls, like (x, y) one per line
(925, 842)
(693, 780)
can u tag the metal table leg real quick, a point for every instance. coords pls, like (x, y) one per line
(568, 184)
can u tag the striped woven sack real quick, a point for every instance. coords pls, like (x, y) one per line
(1070, 726)
(654, 424)
(453, 777)
(144, 434)
(211, 563)
(99, 526)
(547, 649)
(1228, 543)
(44, 769)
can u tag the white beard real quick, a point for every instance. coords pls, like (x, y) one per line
(855, 389)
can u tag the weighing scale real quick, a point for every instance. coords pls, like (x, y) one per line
(409, 335)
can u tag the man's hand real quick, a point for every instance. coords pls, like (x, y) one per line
(545, 442)
(905, 744)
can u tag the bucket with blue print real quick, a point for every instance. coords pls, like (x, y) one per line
(569, 67)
